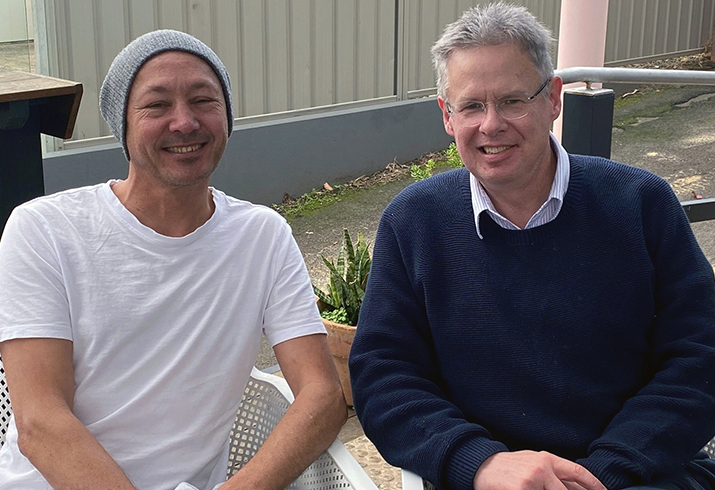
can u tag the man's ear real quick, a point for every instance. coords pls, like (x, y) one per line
(555, 87)
(446, 119)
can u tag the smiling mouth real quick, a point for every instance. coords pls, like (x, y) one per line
(493, 150)
(183, 149)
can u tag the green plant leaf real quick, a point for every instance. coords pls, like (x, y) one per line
(326, 299)
(348, 277)
(338, 315)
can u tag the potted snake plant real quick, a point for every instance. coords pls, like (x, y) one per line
(340, 304)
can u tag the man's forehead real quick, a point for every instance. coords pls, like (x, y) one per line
(172, 63)
(505, 68)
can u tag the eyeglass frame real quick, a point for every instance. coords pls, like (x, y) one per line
(529, 100)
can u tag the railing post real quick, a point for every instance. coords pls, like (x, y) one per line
(588, 121)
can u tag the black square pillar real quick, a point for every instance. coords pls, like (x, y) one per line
(588, 121)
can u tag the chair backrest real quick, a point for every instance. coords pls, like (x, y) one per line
(265, 400)
(5, 408)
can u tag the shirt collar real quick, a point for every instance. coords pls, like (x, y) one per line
(551, 207)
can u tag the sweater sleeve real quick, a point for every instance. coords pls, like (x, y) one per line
(397, 391)
(666, 422)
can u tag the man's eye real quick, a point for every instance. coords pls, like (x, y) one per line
(472, 106)
(512, 102)
(156, 105)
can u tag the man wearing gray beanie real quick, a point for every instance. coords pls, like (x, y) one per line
(131, 312)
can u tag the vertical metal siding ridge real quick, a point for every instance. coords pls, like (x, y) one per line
(289, 57)
(398, 35)
(98, 42)
(654, 40)
(679, 14)
(711, 21)
(418, 58)
(702, 19)
(356, 44)
(631, 15)
(241, 99)
(378, 36)
(666, 28)
(312, 57)
(691, 25)
(641, 41)
(334, 47)
(616, 31)
(265, 65)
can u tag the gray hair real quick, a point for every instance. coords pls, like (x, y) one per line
(490, 25)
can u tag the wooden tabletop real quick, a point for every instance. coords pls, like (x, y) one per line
(58, 113)
(19, 85)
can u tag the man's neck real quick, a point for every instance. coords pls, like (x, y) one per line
(173, 212)
(518, 205)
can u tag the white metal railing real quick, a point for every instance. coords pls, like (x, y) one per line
(697, 210)
(636, 75)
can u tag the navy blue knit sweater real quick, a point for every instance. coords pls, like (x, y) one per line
(591, 337)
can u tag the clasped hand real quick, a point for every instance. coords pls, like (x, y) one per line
(530, 470)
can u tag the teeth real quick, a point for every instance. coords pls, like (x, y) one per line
(491, 150)
(182, 149)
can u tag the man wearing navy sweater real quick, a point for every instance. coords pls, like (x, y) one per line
(537, 320)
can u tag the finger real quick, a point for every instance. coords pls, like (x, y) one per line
(568, 471)
(572, 485)
(553, 483)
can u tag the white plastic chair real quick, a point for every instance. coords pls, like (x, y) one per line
(412, 481)
(265, 400)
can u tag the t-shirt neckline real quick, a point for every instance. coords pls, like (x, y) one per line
(143, 231)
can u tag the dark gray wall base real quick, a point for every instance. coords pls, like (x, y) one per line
(264, 161)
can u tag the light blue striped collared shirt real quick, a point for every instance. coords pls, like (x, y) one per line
(547, 212)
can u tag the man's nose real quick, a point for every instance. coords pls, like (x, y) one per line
(183, 119)
(492, 121)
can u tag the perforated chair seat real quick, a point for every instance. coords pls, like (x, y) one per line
(265, 400)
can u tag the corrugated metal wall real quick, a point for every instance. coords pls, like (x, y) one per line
(640, 29)
(427, 19)
(284, 55)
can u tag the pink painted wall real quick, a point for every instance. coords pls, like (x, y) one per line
(582, 38)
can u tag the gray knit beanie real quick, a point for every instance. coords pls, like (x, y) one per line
(114, 94)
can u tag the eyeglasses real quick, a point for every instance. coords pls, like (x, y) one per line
(509, 107)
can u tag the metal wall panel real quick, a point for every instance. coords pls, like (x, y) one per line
(282, 55)
(426, 22)
(285, 55)
(641, 29)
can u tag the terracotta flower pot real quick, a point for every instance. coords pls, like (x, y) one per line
(340, 339)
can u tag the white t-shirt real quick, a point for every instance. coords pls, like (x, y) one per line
(164, 330)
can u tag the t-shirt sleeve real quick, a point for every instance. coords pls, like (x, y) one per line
(33, 296)
(291, 310)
